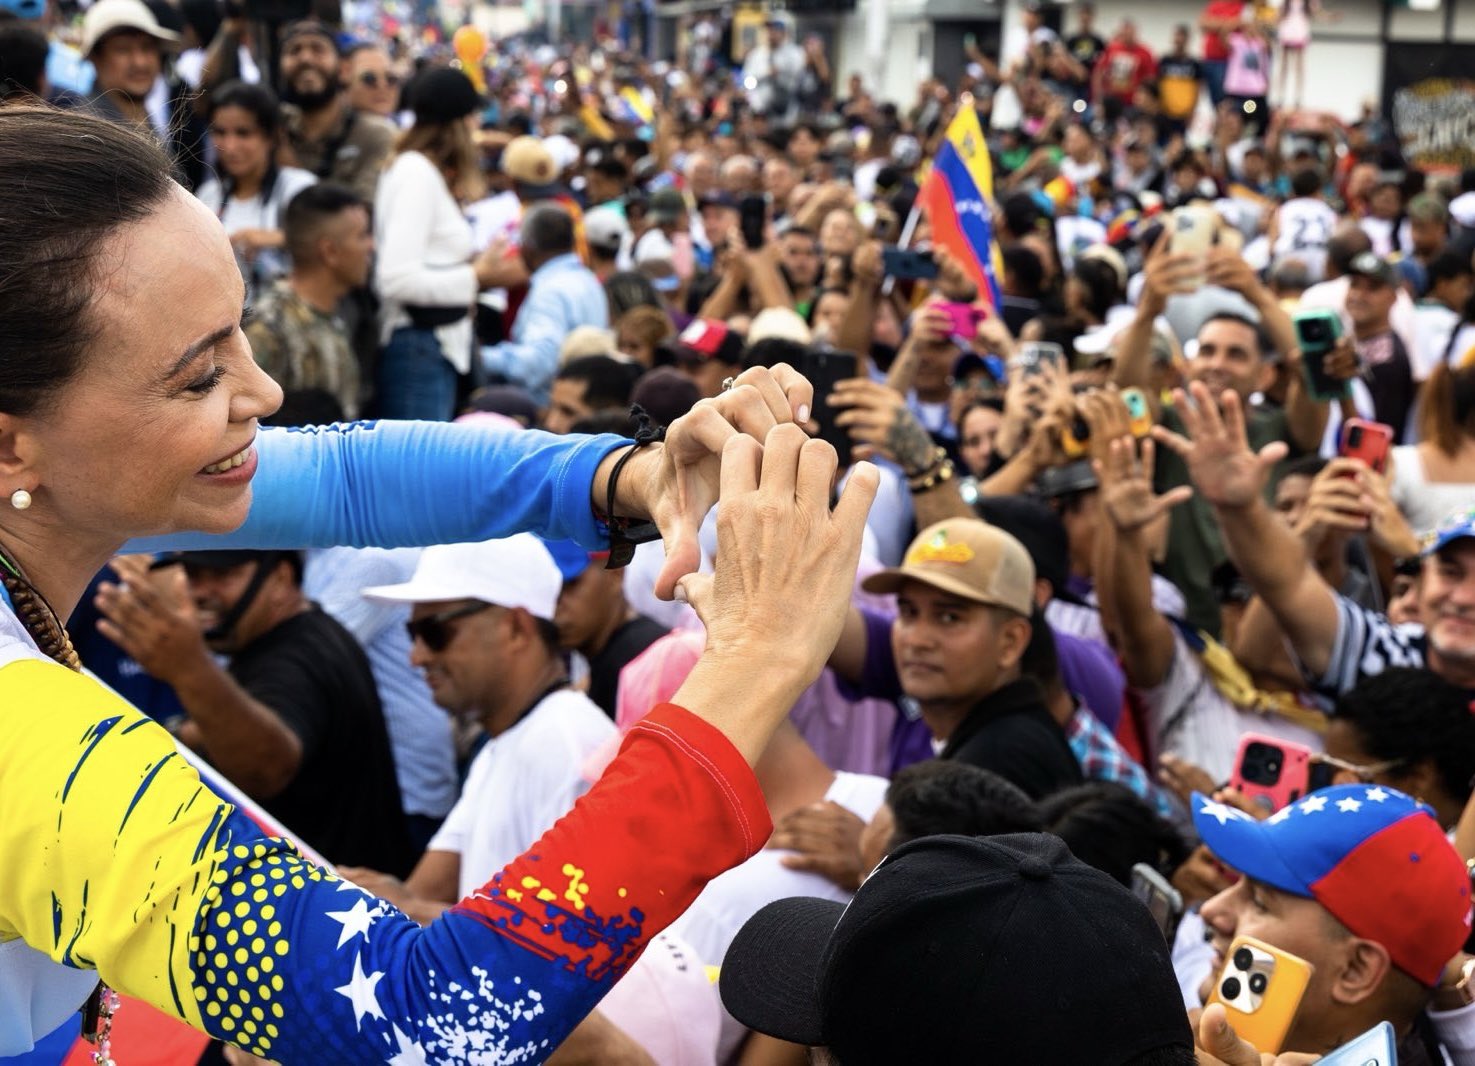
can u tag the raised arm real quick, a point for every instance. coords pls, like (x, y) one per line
(1268, 555)
(1141, 636)
(398, 484)
(134, 868)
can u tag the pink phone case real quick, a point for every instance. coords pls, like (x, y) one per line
(1261, 758)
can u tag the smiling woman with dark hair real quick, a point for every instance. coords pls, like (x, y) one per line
(129, 413)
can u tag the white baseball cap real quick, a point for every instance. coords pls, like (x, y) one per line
(105, 16)
(516, 572)
(605, 229)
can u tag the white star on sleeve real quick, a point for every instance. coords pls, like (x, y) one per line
(409, 1053)
(1377, 795)
(355, 921)
(1313, 804)
(1349, 805)
(360, 990)
(1279, 816)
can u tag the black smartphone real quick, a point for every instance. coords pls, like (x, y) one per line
(825, 368)
(908, 264)
(753, 212)
(1163, 900)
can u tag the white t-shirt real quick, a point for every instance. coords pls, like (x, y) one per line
(1189, 717)
(730, 899)
(1305, 227)
(258, 212)
(520, 783)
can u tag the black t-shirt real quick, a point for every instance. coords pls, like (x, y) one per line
(1011, 732)
(344, 801)
(1085, 49)
(628, 641)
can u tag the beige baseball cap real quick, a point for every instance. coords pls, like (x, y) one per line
(968, 558)
(107, 16)
(527, 160)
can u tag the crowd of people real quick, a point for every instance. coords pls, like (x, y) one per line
(1177, 467)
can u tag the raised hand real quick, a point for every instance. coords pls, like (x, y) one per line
(676, 484)
(1125, 480)
(881, 424)
(1223, 468)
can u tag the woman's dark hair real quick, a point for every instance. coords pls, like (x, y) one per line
(1447, 408)
(68, 181)
(23, 52)
(1414, 716)
(259, 101)
(262, 105)
(1109, 827)
(628, 290)
(1102, 283)
(942, 796)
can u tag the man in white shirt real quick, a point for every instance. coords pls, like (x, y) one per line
(482, 628)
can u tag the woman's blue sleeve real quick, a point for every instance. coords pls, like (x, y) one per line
(402, 484)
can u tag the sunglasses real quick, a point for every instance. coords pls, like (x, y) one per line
(1364, 773)
(370, 79)
(435, 630)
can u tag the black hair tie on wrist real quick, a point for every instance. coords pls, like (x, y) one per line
(626, 533)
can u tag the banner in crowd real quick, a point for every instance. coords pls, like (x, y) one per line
(957, 195)
(1430, 96)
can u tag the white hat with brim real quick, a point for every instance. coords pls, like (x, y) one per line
(515, 572)
(110, 16)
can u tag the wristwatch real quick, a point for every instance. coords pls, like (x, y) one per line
(1460, 994)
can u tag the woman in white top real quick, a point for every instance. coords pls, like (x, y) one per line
(1435, 477)
(424, 272)
(250, 192)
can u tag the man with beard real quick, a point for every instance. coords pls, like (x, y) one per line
(324, 134)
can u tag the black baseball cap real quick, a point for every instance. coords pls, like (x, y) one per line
(1002, 949)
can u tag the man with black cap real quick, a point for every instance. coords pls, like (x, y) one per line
(1382, 357)
(295, 718)
(324, 134)
(1001, 949)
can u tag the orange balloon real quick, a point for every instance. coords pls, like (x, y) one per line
(470, 44)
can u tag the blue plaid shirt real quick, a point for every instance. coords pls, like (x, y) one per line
(1103, 759)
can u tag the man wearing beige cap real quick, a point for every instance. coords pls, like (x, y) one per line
(965, 597)
(125, 44)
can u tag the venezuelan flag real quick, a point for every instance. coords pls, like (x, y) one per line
(956, 195)
(637, 111)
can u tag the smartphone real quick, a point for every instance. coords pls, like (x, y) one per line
(1163, 901)
(1270, 772)
(1261, 989)
(753, 214)
(1317, 333)
(825, 368)
(1376, 1047)
(1139, 411)
(908, 264)
(1075, 439)
(965, 318)
(1192, 230)
(1031, 357)
(1368, 441)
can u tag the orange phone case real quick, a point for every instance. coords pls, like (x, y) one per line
(1261, 989)
(1140, 412)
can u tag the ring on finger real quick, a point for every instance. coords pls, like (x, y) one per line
(728, 383)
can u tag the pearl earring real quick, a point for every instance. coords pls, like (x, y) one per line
(20, 499)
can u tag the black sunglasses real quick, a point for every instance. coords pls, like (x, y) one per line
(433, 630)
(371, 79)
